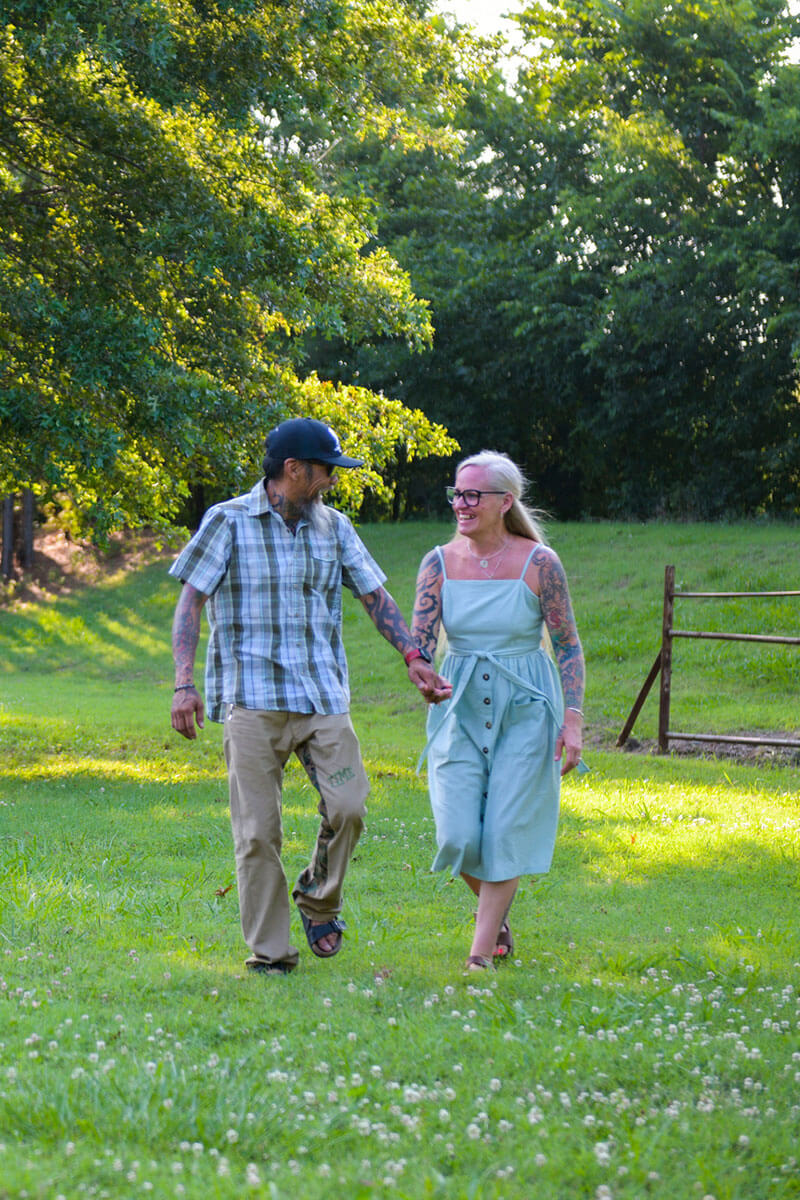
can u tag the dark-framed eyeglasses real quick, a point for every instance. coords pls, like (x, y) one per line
(471, 497)
(319, 463)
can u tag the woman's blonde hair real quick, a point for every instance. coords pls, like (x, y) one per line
(505, 475)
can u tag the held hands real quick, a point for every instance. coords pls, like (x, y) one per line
(570, 741)
(187, 705)
(433, 688)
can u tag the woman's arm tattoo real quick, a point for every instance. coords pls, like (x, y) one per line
(387, 619)
(428, 603)
(558, 616)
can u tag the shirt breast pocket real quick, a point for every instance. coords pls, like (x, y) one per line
(325, 570)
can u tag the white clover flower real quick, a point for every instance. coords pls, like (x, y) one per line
(473, 1131)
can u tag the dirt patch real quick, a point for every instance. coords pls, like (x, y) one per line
(63, 565)
(786, 756)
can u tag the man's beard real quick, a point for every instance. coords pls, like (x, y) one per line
(316, 513)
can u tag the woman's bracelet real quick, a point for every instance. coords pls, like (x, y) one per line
(185, 687)
(572, 708)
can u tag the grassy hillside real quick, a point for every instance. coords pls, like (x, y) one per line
(643, 1042)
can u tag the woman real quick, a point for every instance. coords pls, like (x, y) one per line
(513, 726)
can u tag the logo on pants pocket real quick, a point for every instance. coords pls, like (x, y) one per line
(341, 777)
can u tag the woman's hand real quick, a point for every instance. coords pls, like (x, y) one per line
(570, 741)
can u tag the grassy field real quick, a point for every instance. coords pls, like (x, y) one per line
(645, 1041)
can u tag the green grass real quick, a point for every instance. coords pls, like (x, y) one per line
(644, 1042)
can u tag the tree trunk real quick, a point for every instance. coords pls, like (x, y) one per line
(28, 512)
(8, 537)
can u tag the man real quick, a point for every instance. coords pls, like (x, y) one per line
(270, 566)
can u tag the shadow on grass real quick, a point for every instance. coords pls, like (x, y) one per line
(114, 628)
(651, 874)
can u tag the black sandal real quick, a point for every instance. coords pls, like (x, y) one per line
(479, 962)
(260, 966)
(315, 932)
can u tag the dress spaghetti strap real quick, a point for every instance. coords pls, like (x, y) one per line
(440, 552)
(528, 559)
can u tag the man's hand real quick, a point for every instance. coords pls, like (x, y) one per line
(433, 687)
(187, 703)
(187, 706)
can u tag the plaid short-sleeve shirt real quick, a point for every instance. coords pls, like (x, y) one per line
(275, 604)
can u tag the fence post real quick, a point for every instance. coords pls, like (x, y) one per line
(666, 658)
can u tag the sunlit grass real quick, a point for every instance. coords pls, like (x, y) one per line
(645, 1041)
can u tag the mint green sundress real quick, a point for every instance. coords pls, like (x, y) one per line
(493, 780)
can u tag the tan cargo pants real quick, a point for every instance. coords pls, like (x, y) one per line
(257, 746)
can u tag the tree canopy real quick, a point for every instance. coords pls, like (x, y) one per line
(161, 253)
(612, 259)
(215, 215)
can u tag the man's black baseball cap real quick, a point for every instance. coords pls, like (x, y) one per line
(305, 438)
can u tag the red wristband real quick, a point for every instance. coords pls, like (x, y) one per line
(411, 655)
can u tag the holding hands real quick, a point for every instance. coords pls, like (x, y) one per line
(434, 689)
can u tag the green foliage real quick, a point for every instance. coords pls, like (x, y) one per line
(655, 228)
(159, 256)
(610, 260)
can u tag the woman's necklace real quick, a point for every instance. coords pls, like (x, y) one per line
(483, 560)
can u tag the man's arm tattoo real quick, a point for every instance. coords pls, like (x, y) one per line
(428, 603)
(387, 619)
(186, 632)
(558, 616)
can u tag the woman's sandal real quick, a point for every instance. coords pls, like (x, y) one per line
(505, 942)
(478, 962)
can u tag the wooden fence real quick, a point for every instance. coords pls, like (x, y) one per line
(663, 666)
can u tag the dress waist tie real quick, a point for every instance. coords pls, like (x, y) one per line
(496, 659)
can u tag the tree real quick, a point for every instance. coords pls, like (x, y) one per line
(611, 259)
(159, 260)
(694, 383)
